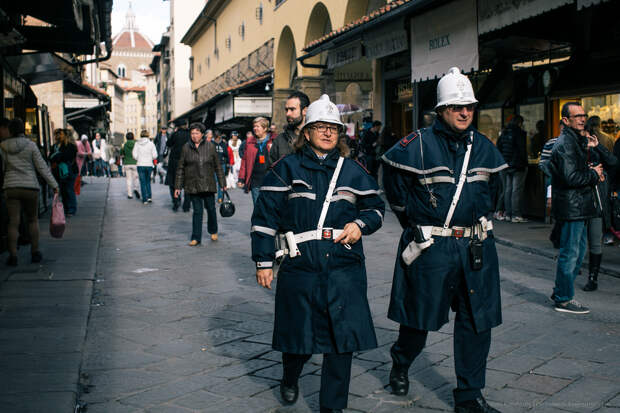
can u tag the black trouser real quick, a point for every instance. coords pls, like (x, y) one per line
(471, 349)
(177, 201)
(335, 376)
(206, 199)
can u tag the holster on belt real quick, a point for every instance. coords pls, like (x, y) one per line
(414, 248)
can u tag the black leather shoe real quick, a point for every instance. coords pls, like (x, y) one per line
(399, 381)
(289, 393)
(326, 410)
(478, 405)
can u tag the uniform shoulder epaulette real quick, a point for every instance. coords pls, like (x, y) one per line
(408, 139)
(362, 166)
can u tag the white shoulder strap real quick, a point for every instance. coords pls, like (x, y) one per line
(328, 195)
(462, 179)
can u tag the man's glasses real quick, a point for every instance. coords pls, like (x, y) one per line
(323, 128)
(459, 108)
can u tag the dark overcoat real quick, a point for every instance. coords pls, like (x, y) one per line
(175, 144)
(430, 161)
(321, 303)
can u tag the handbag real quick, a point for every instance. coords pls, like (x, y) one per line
(227, 209)
(57, 219)
(63, 170)
(77, 185)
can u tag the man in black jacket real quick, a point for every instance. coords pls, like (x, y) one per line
(513, 146)
(573, 184)
(175, 145)
(296, 106)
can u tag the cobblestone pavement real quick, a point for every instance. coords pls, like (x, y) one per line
(180, 329)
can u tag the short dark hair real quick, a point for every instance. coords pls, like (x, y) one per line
(197, 125)
(516, 120)
(304, 100)
(16, 126)
(129, 136)
(566, 108)
(376, 123)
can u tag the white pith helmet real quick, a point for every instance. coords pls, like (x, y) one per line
(454, 88)
(323, 110)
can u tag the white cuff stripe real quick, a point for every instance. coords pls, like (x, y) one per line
(275, 188)
(360, 223)
(264, 264)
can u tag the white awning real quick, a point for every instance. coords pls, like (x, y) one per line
(442, 38)
(495, 14)
(253, 106)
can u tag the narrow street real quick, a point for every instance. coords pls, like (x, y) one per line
(123, 316)
(178, 329)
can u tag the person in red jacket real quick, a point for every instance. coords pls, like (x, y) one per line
(255, 163)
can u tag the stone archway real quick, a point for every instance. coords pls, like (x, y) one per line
(319, 24)
(355, 10)
(285, 71)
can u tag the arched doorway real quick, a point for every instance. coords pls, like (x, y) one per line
(285, 70)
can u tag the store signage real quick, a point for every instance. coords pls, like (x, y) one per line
(495, 14)
(224, 109)
(385, 44)
(253, 106)
(442, 38)
(344, 55)
(352, 76)
(404, 91)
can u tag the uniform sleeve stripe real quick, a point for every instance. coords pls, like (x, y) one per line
(412, 169)
(275, 188)
(264, 230)
(302, 182)
(357, 191)
(489, 170)
(376, 210)
(437, 180)
(308, 195)
(397, 208)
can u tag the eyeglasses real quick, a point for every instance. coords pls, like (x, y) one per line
(458, 108)
(580, 116)
(323, 128)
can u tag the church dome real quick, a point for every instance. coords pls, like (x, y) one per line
(130, 37)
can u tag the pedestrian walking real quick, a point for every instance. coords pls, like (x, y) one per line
(100, 155)
(21, 161)
(318, 204)
(437, 183)
(256, 161)
(573, 191)
(84, 153)
(221, 147)
(162, 151)
(512, 144)
(175, 144)
(296, 106)
(543, 164)
(64, 166)
(369, 144)
(197, 169)
(144, 153)
(131, 170)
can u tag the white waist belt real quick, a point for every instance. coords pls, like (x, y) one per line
(458, 232)
(289, 240)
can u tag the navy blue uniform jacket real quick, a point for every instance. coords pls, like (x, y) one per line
(422, 292)
(321, 303)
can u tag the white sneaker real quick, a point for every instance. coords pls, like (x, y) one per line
(519, 219)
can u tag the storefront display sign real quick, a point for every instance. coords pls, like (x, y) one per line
(385, 44)
(443, 38)
(495, 14)
(344, 55)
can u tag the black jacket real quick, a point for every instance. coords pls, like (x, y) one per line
(282, 144)
(573, 182)
(512, 144)
(175, 144)
(198, 167)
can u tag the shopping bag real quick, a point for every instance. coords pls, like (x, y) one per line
(57, 219)
(77, 186)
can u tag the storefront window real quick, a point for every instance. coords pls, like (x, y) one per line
(9, 102)
(532, 115)
(607, 107)
(490, 123)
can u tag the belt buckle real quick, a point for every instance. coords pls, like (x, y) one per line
(327, 233)
(458, 233)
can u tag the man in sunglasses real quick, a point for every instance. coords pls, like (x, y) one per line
(437, 183)
(573, 186)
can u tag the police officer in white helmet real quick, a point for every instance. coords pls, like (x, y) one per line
(317, 204)
(437, 182)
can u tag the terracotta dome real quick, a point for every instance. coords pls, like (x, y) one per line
(130, 37)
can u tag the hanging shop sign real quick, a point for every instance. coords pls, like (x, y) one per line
(344, 55)
(252, 106)
(224, 109)
(443, 38)
(378, 45)
(495, 14)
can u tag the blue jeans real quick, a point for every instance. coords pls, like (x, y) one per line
(67, 194)
(144, 174)
(198, 200)
(573, 242)
(255, 192)
(514, 186)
